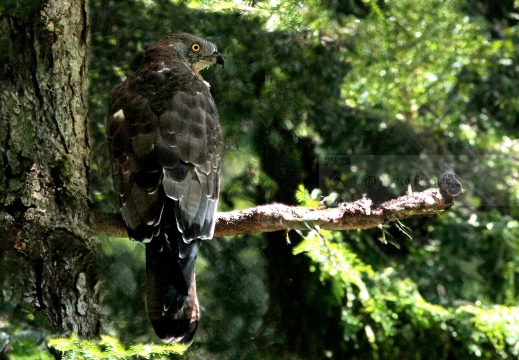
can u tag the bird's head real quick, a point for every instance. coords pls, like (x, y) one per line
(194, 51)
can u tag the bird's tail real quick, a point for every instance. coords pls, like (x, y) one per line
(171, 287)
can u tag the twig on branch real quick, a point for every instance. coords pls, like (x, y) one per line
(360, 214)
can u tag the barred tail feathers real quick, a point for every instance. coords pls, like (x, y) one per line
(171, 287)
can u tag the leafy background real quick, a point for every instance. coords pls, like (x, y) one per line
(325, 94)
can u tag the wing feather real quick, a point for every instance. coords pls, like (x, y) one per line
(190, 131)
(165, 140)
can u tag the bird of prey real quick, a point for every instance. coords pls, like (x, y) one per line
(165, 142)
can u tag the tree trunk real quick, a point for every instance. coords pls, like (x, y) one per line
(45, 247)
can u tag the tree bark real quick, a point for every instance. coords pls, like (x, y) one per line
(45, 246)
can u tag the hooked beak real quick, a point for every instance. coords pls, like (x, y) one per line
(218, 58)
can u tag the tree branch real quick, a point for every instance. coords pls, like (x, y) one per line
(360, 214)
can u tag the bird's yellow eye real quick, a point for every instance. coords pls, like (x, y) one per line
(195, 47)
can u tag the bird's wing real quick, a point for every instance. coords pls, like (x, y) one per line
(132, 129)
(165, 140)
(188, 147)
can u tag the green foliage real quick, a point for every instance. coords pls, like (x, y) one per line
(388, 302)
(109, 347)
(24, 344)
(306, 199)
(406, 57)
(276, 15)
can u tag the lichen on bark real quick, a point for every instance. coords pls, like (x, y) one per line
(44, 163)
